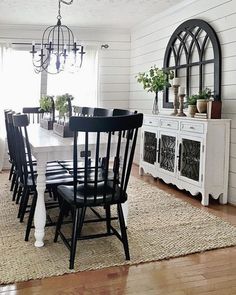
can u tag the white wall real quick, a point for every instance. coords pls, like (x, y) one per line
(148, 43)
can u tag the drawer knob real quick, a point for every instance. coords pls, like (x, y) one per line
(150, 122)
(168, 124)
(191, 127)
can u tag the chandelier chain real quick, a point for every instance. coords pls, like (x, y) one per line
(59, 6)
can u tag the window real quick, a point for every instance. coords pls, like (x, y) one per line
(21, 86)
(82, 84)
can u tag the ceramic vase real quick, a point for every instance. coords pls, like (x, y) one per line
(202, 105)
(192, 109)
(155, 109)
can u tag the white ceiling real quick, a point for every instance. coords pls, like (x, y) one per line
(83, 13)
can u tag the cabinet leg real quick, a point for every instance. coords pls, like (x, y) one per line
(223, 198)
(141, 171)
(205, 200)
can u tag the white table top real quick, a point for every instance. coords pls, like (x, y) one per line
(42, 140)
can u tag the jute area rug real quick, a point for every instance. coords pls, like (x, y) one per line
(159, 227)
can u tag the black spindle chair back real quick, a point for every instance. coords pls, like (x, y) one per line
(34, 114)
(23, 157)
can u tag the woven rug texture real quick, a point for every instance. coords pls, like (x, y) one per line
(159, 227)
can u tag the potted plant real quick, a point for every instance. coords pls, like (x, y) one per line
(192, 101)
(202, 99)
(47, 106)
(155, 80)
(64, 108)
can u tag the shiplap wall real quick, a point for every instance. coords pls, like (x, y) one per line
(114, 62)
(148, 43)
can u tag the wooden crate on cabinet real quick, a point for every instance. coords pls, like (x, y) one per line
(191, 153)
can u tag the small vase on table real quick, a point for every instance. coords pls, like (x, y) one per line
(155, 109)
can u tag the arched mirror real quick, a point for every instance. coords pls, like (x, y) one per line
(193, 53)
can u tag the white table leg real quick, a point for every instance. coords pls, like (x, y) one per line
(40, 211)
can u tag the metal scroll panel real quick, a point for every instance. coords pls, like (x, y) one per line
(190, 159)
(167, 152)
(150, 147)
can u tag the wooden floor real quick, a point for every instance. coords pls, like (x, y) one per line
(209, 273)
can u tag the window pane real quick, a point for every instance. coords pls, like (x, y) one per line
(21, 87)
(82, 84)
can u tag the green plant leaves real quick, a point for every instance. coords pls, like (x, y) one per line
(155, 79)
(61, 104)
(46, 102)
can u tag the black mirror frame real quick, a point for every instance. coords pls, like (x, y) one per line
(186, 29)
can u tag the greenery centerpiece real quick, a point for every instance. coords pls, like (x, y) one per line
(155, 80)
(64, 108)
(47, 106)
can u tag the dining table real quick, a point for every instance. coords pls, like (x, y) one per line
(47, 146)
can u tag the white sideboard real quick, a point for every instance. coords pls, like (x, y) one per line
(191, 153)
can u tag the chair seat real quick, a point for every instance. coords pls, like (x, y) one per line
(53, 179)
(67, 193)
(68, 164)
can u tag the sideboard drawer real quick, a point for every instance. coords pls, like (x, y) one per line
(192, 127)
(169, 124)
(150, 121)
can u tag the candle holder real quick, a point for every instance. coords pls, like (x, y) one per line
(176, 102)
(181, 106)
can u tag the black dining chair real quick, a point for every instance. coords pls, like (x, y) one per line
(102, 112)
(55, 174)
(95, 187)
(12, 152)
(9, 142)
(83, 111)
(34, 114)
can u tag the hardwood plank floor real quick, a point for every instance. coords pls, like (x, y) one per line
(208, 273)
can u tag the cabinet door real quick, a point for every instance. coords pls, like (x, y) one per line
(167, 152)
(149, 146)
(190, 160)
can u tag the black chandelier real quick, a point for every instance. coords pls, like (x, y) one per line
(58, 49)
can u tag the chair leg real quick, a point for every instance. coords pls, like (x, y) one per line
(13, 182)
(15, 189)
(11, 171)
(22, 201)
(24, 205)
(18, 194)
(108, 218)
(31, 216)
(74, 238)
(60, 220)
(81, 221)
(123, 231)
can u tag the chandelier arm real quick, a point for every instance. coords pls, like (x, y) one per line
(58, 42)
(66, 2)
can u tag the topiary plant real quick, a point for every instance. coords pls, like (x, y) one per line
(46, 103)
(63, 104)
(205, 94)
(192, 100)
